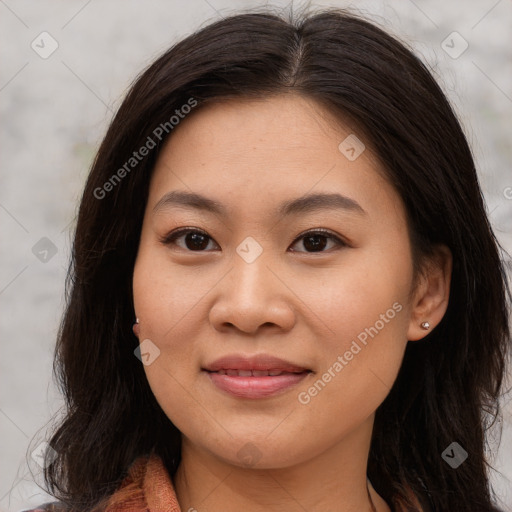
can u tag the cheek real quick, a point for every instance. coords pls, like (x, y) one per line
(365, 307)
(165, 295)
(164, 301)
(170, 301)
(359, 361)
(354, 295)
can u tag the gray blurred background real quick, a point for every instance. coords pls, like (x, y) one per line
(65, 67)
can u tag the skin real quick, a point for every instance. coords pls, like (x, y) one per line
(292, 302)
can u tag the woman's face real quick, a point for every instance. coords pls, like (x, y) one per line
(335, 306)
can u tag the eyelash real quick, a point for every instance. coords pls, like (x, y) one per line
(171, 237)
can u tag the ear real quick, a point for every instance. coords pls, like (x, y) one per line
(432, 293)
(136, 328)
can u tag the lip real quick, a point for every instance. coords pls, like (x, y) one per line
(256, 362)
(255, 387)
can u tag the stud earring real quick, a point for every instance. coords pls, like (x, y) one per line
(425, 325)
(135, 327)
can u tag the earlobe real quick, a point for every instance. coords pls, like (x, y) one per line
(136, 328)
(432, 296)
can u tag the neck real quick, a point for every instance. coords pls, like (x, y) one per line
(332, 480)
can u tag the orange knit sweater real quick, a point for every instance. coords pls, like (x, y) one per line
(147, 488)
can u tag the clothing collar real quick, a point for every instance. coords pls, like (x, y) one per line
(147, 488)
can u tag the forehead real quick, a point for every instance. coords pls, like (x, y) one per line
(246, 123)
(269, 149)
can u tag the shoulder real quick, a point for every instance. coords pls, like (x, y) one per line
(50, 506)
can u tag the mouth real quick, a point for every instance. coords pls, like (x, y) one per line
(254, 363)
(256, 373)
(254, 377)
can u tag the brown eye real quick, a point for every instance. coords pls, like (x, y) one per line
(316, 241)
(193, 239)
(197, 241)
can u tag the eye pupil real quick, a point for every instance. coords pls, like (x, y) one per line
(196, 239)
(309, 242)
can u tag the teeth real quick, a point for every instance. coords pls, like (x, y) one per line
(260, 373)
(250, 373)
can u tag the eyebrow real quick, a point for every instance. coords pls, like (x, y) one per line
(305, 204)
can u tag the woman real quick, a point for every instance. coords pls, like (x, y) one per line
(284, 225)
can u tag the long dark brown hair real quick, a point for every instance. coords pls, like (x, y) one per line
(447, 389)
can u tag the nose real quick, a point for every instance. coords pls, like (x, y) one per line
(253, 297)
